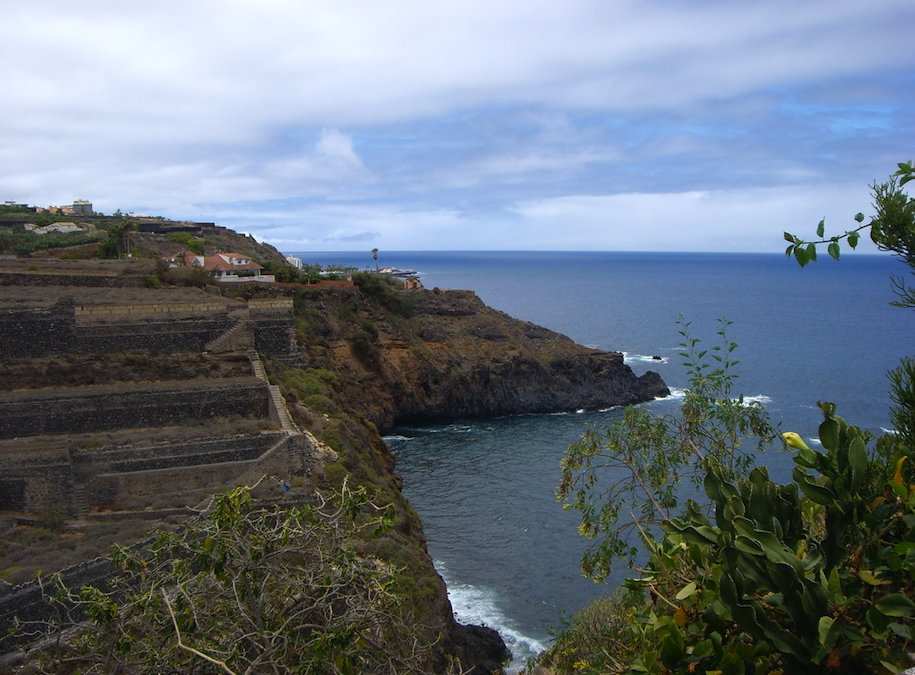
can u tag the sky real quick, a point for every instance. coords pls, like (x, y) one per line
(339, 125)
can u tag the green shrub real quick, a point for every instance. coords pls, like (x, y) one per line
(365, 349)
(188, 276)
(335, 472)
(380, 289)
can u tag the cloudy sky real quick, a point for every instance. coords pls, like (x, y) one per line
(706, 125)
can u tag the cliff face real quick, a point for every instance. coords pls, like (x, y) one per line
(374, 357)
(455, 357)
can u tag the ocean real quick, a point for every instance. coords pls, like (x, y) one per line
(485, 489)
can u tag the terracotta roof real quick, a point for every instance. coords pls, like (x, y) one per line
(220, 262)
(190, 258)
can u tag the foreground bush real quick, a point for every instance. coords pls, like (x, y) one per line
(244, 590)
(813, 576)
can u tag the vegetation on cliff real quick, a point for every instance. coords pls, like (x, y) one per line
(115, 236)
(245, 589)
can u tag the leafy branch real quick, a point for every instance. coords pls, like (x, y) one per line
(892, 229)
(626, 477)
(893, 209)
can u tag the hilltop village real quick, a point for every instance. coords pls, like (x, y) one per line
(149, 364)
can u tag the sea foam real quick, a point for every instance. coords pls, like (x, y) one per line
(480, 606)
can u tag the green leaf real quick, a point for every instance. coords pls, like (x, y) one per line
(901, 490)
(895, 604)
(821, 228)
(789, 237)
(834, 250)
(686, 591)
(825, 626)
(672, 649)
(812, 251)
(815, 493)
(857, 459)
(859, 217)
(903, 631)
(867, 576)
(801, 255)
(829, 433)
(853, 238)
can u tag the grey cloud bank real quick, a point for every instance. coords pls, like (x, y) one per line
(617, 125)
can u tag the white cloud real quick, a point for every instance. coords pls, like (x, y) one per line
(741, 220)
(338, 148)
(448, 108)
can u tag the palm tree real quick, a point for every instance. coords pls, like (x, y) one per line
(375, 256)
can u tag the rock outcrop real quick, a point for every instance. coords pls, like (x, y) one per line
(455, 357)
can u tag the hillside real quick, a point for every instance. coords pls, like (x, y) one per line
(148, 238)
(446, 355)
(166, 388)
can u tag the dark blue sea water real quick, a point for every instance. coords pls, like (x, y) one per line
(485, 489)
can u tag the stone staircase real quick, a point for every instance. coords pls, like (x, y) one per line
(240, 336)
(278, 403)
(256, 365)
(80, 501)
(282, 412)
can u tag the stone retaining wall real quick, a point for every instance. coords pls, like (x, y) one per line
(122, 312)
(166, 335)
(32, 482)
(274, 331)
(65, 328)
(98, 280)
(95, 409)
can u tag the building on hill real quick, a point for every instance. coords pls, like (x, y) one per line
(225, 267)
(66, 228)
(80, 207)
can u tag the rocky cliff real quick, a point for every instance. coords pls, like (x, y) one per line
(445, 355)
(371, 357)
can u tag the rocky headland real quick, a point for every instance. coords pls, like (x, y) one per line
(454, 357)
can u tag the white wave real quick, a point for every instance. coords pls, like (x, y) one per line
(629, 359)
(888, 431)
(762, 399)
(480, 606)
(448, 429)
(675, 394)
(396, 439)
(610, 409)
